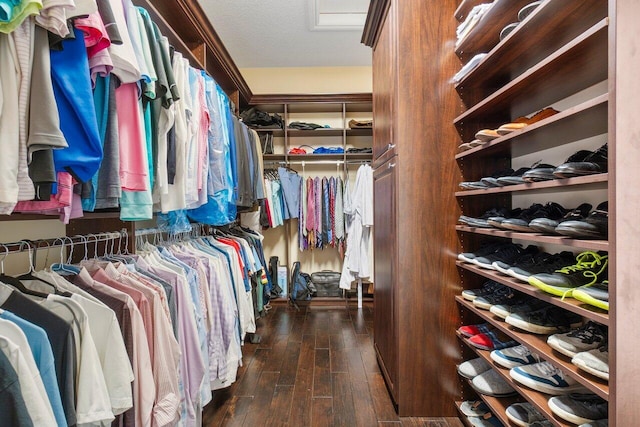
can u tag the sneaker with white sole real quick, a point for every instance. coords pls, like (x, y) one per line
(512, 357)
(595, 362)
(596, 295)
(545, 378)
(587, 337)
(579, 408)
(590, 268)
(474, 367)
(474, 408)
(547, 320)
(527, 305)
(523, 414)
(491, 383)
(488, 288)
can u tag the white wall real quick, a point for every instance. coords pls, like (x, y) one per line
(308, 80)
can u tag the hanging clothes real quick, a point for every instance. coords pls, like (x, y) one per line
(358, 209)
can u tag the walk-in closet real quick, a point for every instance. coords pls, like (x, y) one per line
(319, 213)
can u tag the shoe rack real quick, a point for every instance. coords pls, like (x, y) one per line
(559, 51)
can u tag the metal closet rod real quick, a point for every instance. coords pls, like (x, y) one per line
(315, 162)
(59, 242)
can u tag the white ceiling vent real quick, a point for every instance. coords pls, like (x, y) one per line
(336, 15)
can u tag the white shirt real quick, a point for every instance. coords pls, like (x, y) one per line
(10, 141)
(31, 384)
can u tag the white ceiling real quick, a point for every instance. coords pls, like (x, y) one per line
(277, 33)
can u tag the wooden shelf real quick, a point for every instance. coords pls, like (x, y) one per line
(465, 7)
(360, 132)
(311, 157)
(587, 119)
(552, 25)
(549, 81)
(274, 157)
(497, 405)
(38, 217)
(296, 133)
(486, 34)
(275, 132)
(538, 344)
(602, 178)
(536, 398)
(569, 304)
(359, 156)
(596, 245)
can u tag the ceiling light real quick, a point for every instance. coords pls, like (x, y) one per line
(337, 15)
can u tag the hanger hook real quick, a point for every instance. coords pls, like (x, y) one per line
(6, 253)
(29, 249)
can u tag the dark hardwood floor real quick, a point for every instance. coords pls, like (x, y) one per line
(313, 367)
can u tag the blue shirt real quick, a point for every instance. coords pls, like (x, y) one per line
(43, 356)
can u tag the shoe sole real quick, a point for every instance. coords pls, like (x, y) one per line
(578, 229)
(482, 305)
(567, 416)
(516, 421)
(562, 350)
(559, 291)
(500, 313)
(544, 388)
(518, 276)
(481, 265)
(536, 329)
(589, 369)
(484, 392)
(588, 299)
(502, 270)
(516, 227)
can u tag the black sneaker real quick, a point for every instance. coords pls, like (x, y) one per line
(496, 220)
(548, 320)
(526, 305)
(500, 296)
(593, 163)
(551, 210)
(513, 179)
(594, 226)
(527, 260)
(590, 268)
(548, 225)
(499, 222)
(488, 288)
(485, 249)
(546, 265)
(579, 408)
(507, 254)
(539, 172)
(481, 221)
(492, 181)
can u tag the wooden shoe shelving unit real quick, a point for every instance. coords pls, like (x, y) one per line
(559, 51)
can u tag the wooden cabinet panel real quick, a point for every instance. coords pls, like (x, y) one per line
(384, 86)
(385, 332)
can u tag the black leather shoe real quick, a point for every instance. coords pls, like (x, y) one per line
(593, 163)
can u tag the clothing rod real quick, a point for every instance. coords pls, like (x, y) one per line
(59, 242)
(316, 162)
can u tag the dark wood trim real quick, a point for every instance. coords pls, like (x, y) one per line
(346, 98)
(373, 25)
(186, 25)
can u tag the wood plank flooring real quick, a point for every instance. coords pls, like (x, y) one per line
(313, 367)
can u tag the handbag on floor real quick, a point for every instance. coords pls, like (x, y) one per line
(301, 286)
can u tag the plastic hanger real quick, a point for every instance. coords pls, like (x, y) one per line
(63, 268)
(29, 275)
(15, 282)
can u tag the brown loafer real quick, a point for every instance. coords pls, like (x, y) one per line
(486, 135)
(522, 122)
